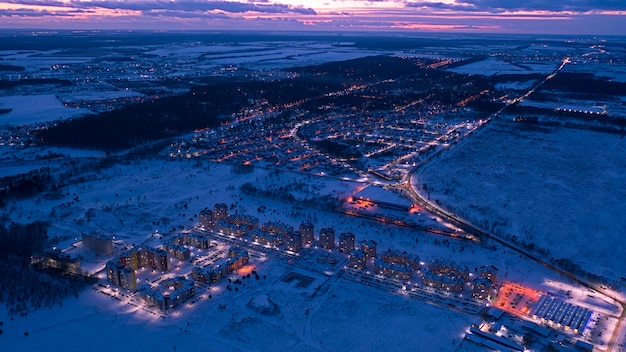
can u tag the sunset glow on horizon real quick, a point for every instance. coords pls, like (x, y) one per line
(499, 16)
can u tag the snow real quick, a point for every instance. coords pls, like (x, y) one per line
(516, 181)
(512, 180)
(30, 109)
(494, 66)
(611, 71)
(132, 200)
(340, 317)
(517, 85)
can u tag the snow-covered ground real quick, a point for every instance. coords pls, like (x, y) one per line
(32, 109)
(495, 66)
(134, 200)
(561, 189)
(338, 317)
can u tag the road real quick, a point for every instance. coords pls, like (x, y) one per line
(409, 186)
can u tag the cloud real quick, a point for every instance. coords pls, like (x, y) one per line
(193, 5)
(177, 6)
(172, 14)
(499, 6)
(30, 13)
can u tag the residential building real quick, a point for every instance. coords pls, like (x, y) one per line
(237, 225)
(357, 259)
(220, 212)
(307, 230)
(169, 294)
(346, 242)
(482, 288)
(63, 262)
(276, 227)
(154, 258)
(293, 241)
(268, 239)
(443, 282)
(177, 251)
(401, 258)
(393, 270)
(369, 248)
(327, 238)
(98, 242)
(209, 276)
(120, 275)
(206, 218)
(130, 259)
(441, 267)
(196, 240)
(489, 272)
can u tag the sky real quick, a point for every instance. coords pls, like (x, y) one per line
(593, 17)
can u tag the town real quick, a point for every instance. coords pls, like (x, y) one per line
(444, 196)
(223, 250)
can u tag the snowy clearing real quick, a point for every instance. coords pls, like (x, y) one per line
(561, 189)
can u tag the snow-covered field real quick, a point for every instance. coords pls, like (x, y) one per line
(338, 317)
(561, 189)
(32, 109)
(612, 72)
(133, 200)
(494, 66)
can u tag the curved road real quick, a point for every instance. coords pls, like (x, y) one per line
(466, 226)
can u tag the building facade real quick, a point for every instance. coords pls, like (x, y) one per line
(357, 259)
(369, 248)
(307, 230)
(98, 242)
(327, 238)
(293, 241)
(169, 294)
(220, 212)
(205, 218)
(120, 275)
(346, 242)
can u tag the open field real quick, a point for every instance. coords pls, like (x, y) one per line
(559, 189)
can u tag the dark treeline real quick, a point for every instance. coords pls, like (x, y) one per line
(217, 101)
(23, 240)
(133, 124)
(585, 83)
(11, 68)
(25, 185)
(4, 84)
(22, 288)
(368, 68)
(337, 148)
(207, 106)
